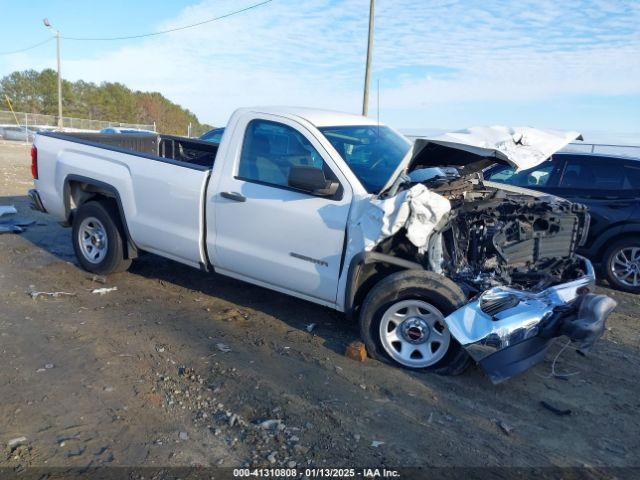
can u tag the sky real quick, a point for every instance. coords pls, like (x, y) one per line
(439, 64)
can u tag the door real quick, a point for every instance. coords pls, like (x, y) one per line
(270, 233)
(166, 215)
(608, 186)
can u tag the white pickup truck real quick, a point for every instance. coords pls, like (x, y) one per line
(440, 267)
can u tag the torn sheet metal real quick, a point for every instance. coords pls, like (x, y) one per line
(520, 147)
(418, 209)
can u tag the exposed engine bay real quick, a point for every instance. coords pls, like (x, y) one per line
(496, 237)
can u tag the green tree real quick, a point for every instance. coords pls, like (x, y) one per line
(37, 92)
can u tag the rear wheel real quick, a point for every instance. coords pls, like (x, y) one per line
(97, 238)
(621, 264)
(402, 322)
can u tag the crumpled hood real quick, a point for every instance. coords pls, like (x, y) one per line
(477, 147)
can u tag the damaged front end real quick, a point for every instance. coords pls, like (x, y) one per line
(507, 330)
(511, 251)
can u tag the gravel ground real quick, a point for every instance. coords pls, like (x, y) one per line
(180, 368)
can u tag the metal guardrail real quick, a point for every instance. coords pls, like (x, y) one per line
(41, 120)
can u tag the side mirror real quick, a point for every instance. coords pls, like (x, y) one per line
(312, 180)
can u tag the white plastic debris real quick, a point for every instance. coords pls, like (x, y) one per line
(104, 290)
(418, 209)
(35, 295)
(7, 210)
(310, 327)
(270, 424)
(16, 442)
(223, 347)
(376, 443)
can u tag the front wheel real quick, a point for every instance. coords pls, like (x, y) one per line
(402, 322)
(97, 240)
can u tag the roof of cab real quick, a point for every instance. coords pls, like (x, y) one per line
(315, 116)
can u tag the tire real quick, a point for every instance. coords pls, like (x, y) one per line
(615, 267)
(435, 297)
(101, 252)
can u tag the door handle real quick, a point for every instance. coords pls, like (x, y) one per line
(236, 197)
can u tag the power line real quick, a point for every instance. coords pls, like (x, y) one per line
(128, 37)
(230, 14)
(28, 48)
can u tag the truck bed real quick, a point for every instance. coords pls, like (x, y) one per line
(184, 151)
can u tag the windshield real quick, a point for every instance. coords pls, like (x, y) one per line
(372, 152)
(537, 176)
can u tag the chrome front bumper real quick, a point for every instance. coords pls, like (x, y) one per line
(507, 330)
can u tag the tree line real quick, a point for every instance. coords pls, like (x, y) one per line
(37, 92)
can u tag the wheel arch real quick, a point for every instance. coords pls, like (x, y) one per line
(78, 190)
(615, 234)
(365, 271)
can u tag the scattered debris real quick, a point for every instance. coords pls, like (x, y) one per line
(76, 453)
(223, 347)
(376, 443)
(558, 411)
(310, 327)
(35, 295)
(49, 366)
(505, 427)
(272, 457)
(356, 351)
(16, 442)
(233, 419)
(15, 225)
(104, 290)
(7, 210)
(10, 229)
(231, 315)
(98, 279)
(184, 436)
(271, 424)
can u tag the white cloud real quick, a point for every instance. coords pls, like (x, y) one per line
(312, 53)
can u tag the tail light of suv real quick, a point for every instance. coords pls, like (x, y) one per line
(34, 162)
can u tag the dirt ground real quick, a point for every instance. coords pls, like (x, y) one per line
(179, 368)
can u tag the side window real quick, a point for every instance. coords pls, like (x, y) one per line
(593, 173)
(534, 177)
(270, 149)
(632, 175)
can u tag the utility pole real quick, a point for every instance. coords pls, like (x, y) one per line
(57, 34)
(367, 72)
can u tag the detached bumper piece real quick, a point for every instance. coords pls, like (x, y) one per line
(507, 331)
(36, 202)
